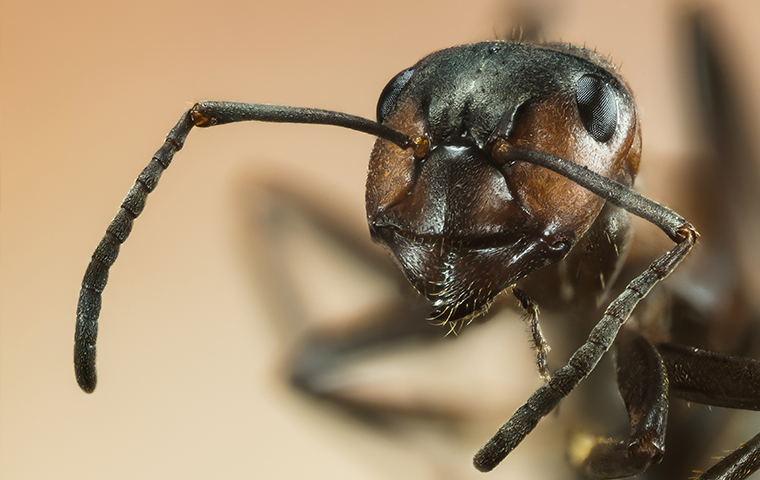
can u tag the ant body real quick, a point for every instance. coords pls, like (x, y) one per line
(502, 166)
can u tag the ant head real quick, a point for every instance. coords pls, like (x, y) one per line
(463, 223)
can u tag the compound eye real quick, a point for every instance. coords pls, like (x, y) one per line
(597, 107)
(390, 93)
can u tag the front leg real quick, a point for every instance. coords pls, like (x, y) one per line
(643, 383)
(716, 379)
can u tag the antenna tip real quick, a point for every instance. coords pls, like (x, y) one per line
(84, 367)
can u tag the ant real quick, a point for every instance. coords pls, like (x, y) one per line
(500, 167)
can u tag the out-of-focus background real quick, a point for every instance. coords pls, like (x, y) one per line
(190, 365)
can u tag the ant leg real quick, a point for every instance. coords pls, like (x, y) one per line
(539, 342)
(721, 380)
(738, 465)
(273, 209)
(325, 355)
(583, 361)
(643, 383)
(711, 378)
(731, 216)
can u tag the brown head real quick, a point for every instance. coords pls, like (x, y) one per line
(463, 224)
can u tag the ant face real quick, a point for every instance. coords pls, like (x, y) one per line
(463, 224)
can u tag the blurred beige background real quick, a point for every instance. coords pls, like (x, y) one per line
(189, 369)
